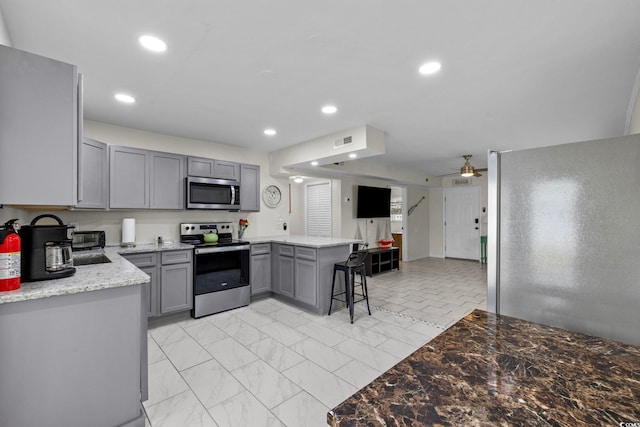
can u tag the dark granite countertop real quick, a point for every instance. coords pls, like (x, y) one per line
(489, 370)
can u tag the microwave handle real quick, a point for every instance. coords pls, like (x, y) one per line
(233, 194)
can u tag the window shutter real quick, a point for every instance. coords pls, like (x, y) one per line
(319, 210)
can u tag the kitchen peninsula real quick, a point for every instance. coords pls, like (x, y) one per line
(498, 370)
(297, 269)
(74, 349)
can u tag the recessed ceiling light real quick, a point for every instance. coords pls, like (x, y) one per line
(329, 109)
(430, 67)
(353, 155)
(123, 97)
(314, 163)
(270, 132)
(298, 179)
(154, 44)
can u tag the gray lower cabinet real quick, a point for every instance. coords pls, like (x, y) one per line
(296, 275)
(176, 281)
(93, 174)
(250, 188)
(302, 275)
(260, 268)
(74, 360)
(306, 281)
(171, 287)
(283, 282)
(151, 295)
(128, 177)
(176, 289)
(148, 262)
(40, 103)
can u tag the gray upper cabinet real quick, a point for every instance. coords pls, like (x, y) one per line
(145, 179)
(167, 181)
(93, 175)
(39, 127)
(197, 166)
(129, 177)
(227, 170)
(250, 188)
(212, 168)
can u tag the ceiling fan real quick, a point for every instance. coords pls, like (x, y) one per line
(468, 170)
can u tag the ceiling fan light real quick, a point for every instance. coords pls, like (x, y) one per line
(467, 171)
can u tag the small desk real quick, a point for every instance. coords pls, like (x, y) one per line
(382, 259)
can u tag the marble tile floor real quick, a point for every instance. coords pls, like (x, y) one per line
(272, 364)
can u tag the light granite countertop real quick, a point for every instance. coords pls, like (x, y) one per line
(119, 272)
(300, 240)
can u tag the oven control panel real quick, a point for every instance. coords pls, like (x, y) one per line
(197, 229)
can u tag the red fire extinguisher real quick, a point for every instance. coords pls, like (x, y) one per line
(9, 256)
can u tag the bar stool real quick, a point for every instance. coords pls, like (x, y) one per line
(355, 264)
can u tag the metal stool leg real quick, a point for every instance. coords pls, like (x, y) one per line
(349, 290)
(365, 290)
(333, 284)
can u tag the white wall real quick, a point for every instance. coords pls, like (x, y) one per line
(436, 221)
(4, 33)
(417, 231)
(9, 212)
(634, 125)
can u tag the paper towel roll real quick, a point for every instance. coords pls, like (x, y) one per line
(128, 231)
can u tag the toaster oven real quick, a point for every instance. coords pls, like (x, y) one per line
(87, 240)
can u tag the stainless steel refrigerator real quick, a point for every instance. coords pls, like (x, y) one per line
(564, 236)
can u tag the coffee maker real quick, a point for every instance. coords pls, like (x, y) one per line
(46, 250)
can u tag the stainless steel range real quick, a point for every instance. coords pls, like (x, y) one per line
(220, 270)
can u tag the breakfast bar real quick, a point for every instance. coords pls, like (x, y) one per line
(489, 370)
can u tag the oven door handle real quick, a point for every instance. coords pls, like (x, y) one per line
(200, 251)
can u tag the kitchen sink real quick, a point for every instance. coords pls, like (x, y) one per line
(90, 259)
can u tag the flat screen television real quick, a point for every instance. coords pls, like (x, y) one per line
(373, 202)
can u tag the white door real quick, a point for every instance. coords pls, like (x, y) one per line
(462, 223)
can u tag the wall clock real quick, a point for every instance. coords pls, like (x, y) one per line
(272, 196)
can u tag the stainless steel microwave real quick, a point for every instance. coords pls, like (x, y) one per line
(212, 193)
